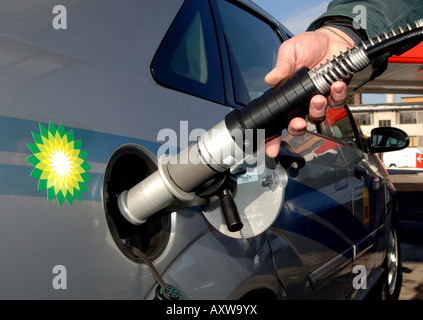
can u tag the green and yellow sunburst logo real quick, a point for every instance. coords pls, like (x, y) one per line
(59, 163)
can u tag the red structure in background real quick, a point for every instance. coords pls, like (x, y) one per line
(414, 55)
(419, 161)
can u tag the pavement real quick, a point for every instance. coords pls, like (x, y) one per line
(412, 271)
(407, 181)
(410, 205)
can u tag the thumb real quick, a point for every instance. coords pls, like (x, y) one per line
(285, 64)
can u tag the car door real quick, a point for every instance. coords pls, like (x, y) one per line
(312, 237)
(367, 188)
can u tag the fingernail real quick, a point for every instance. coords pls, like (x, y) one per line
(338, 90)
(319, 105)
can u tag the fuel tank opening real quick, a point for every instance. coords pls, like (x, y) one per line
(128, 165)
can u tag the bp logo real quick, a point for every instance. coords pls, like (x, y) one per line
(59, 163)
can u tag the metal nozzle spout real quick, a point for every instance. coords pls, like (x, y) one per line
(146, 198)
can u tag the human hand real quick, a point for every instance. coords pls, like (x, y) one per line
(308, 49)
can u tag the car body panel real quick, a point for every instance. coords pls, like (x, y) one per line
(316, 219)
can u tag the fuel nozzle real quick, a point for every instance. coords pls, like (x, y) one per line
(220, 148)
(221, 188)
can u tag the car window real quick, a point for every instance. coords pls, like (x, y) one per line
(341, 127)
(253, 42)
(188, 57)
(254, 46)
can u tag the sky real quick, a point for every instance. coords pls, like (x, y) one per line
(296, 15)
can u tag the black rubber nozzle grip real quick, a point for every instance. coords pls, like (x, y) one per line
(276, 107)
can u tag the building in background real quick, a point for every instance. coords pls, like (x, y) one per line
(404, 76)
(407, 116)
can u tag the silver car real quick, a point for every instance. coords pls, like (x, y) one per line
(91, 91)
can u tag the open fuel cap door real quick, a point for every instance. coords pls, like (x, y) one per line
(258, 197)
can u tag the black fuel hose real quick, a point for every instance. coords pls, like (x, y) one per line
(392, 40)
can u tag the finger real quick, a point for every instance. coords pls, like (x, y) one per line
(317, 112)
(338, 95)
(297, 127)
(273, 146)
